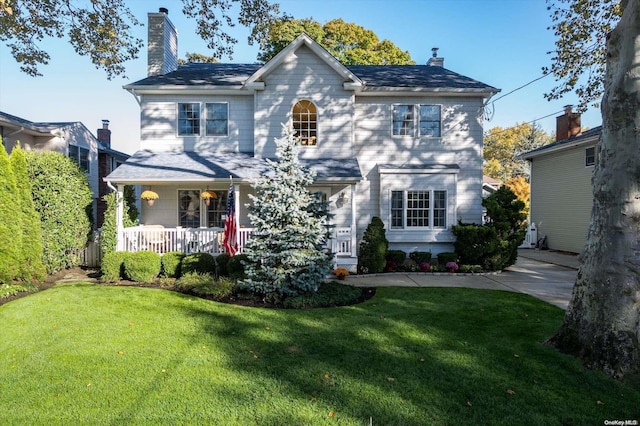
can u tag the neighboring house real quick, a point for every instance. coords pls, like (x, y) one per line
(72, 139)
(400, 142)
(561, 195)
(489, 186)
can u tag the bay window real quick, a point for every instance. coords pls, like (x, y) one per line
(418, 209)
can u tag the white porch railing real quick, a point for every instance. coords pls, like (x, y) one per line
(208, 240)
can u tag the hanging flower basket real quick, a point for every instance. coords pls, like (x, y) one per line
(207, 196)
(150, 196)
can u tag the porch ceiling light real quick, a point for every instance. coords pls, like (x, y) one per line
(208, 195)
(150, 196)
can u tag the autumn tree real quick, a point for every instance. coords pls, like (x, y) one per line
(103, 29)
(350, 43)
(602, 322)
(503, 145)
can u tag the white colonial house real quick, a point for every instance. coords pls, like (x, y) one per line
(400, 142)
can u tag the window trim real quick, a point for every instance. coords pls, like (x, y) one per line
(312, 129)
(587, 157)
(84, 164)
(206, 119)
(431, 210)
(197, 121)
(415, 132)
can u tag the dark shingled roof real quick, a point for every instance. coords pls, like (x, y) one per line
(151, 166)
(375, 76)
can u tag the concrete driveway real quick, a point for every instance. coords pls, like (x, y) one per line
(550, 282)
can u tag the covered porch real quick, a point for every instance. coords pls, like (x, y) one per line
(181, 219)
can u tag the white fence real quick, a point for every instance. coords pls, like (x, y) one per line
(192, 240)
(531, 239)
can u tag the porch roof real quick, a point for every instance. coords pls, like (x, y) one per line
(152, 167)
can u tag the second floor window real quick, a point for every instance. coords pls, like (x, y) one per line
(590, 157)
(305, 122)
(416, 120)
(188, 119)
(217, 119)
(81, 156)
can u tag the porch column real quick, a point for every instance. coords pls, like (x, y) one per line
(236, 189)
(354, 247)
(119, 217)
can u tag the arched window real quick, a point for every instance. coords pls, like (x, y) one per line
(305, 122)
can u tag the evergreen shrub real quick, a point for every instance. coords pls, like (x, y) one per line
(204, 285)
(11, 257)
(236, 266)
(112, 266)
(397, 256)
(373, 248)
(199, 263)
(222, 261)
(445, 257)
(142, 266)
(171, 264)
(420, 256)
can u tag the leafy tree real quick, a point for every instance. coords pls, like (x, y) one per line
(62, 197)
(31, 248)
(602, 323)
(502, 147)
(521, 188)
(10, 223)
(581, 28)
(191, 58)
(286, 253)
(350, 43)
(102, 29)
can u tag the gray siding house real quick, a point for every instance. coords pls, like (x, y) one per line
(561, 195)
(71, 139)
(400, 142)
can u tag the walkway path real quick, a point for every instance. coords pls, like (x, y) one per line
(550, 282)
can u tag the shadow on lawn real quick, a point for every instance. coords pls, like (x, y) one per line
(402, 360)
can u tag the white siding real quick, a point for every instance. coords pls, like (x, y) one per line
(159, 123)
(305, 76)
(561, 198)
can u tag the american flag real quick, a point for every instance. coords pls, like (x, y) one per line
(230, 226)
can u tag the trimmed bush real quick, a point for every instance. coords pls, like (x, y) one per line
(62, 197)
(171, 264)
(199, 263)
(475, 243)
(420, 256)
(10, 223)
(373, 248)
(204, 285)
(329, 294)
(445, 257)
(221, 264)
(31, 263)
(142, 266)
(236, 266)
(398, 256)
(112, 267)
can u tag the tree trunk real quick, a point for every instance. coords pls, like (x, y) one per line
(602, 323)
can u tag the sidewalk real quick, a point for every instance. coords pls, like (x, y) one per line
(551, 282)
(550, 256)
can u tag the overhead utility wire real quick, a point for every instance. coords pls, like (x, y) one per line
(517, 88)
(528, 122)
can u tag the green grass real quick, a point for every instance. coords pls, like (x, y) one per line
(91, 354)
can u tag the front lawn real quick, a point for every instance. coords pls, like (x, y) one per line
(92, 354)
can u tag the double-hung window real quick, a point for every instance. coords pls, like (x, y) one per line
(590, 156)
(188, 119)
(217, 119)
(416, 120)
(81, 156)
(418, 209)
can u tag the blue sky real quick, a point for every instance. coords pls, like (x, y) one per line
(499, 42)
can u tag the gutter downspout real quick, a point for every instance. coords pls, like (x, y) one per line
(119, 214)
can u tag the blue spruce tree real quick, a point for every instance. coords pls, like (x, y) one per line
(287, 251)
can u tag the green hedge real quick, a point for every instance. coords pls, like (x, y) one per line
(236, 266)
(10, 224)
(445, 257)
(420, 256)
(198, 263)
(142, 266)
(171, 264)
(112, 267)
(373, 248)
(222, 260)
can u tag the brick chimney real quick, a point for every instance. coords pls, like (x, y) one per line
(162, 49)
(104, 134)
(568, 125)
(434, 61)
